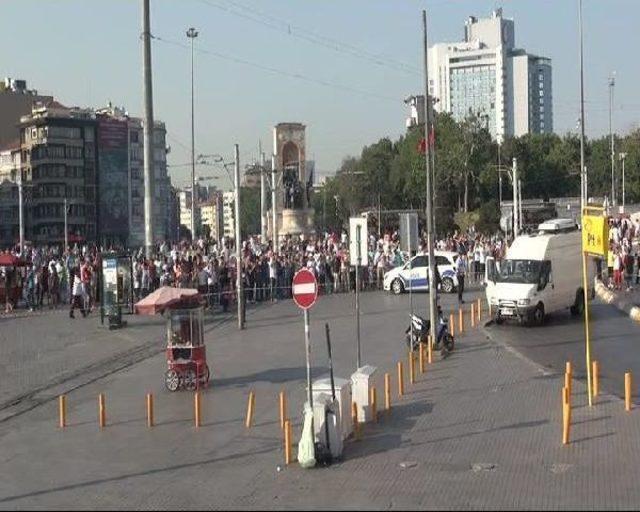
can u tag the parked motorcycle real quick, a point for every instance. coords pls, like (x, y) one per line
(420, 332)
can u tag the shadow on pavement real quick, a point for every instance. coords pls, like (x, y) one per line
(274, 376)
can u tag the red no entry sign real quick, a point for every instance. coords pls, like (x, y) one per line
(305, 288)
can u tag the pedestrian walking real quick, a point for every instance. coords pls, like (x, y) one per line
(461, 270)
(77, 294)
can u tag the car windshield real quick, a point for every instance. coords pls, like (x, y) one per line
(519, 271)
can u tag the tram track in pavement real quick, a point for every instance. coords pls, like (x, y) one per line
(71, 381)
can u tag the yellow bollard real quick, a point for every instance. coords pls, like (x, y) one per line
(452, 325)
(150, 421)
(62, 407)
(283, 409)
(429, 350)
(373, 398)
(196, 408)
(460, 321)
(421, 357)
(354, 420)
(479, 309)
(566, 415)
(568, 381)
(567, 368)
(595, 368)
(412, 377)
(102, 413)
(251, 405)
(400, 379)
(287, 442)
(627, 391)
(387, 392)
(473, 315)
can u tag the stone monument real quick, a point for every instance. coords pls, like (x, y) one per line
(293, 211)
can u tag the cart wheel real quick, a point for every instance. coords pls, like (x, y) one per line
(172, 380)
(189, 381)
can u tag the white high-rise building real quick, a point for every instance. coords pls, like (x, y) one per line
(487, 76)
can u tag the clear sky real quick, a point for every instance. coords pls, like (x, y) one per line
(251, 55)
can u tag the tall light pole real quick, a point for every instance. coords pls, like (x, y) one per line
(66, 227)
(622, 157)
(516, 210)
(239, 280)
(583, 169)
(612, 83)
(433, 290)
(263, 199)
(20, 211)
(192, 33)
(274, 205)
(148, 130)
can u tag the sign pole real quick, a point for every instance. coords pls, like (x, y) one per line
(410, 277)
(307, 346)
(586, 326)
(359, 259)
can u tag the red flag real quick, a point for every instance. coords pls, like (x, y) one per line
(422, 146)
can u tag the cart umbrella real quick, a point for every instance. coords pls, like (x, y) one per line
(166, 297)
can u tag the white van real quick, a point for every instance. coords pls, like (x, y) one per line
(540, 274)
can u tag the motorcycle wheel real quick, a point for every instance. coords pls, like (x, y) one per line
(448, 342)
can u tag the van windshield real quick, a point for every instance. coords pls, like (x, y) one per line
(519, 271)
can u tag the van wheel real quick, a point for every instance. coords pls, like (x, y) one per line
(397, 287)
(578, 306)
(447, 285)
(538, 314)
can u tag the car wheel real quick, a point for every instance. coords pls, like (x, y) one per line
(538, 314)
(578, 306)
(397, 287)
(447, 285)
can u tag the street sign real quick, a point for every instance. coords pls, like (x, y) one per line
(595, 234)
(358, 238)
(409, 232)
(305, 288)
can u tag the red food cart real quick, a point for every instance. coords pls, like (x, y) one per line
(186, 352)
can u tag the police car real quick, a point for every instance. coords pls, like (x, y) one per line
(413, 275)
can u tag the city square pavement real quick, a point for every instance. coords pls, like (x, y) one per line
(481, 429)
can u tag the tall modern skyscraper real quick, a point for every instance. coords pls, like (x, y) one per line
(488, 76)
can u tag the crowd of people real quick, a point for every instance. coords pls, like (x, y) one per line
(51, 277)
(623, 259)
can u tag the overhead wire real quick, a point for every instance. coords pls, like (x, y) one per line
(299, 76)
(280, 25)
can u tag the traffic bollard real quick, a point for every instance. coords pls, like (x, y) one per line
(627, 391)
(421, 357)
(287, 442)
(373, 398)
(387, 392)
(412, 377)
(196, 408)
(354, 420)
(473, 315)
(150, 421)
(567, 382)
(62, 408)
(479, 308)
(452, 325)
(102, 413)
(429, 350)
(566, 415)
(251, 405)
(283, 408)
(400, 379)
(595, 368)
(568, 368)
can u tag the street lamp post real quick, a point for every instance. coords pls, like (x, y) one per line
(622, 157)
(192, 33)
(612, 83)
